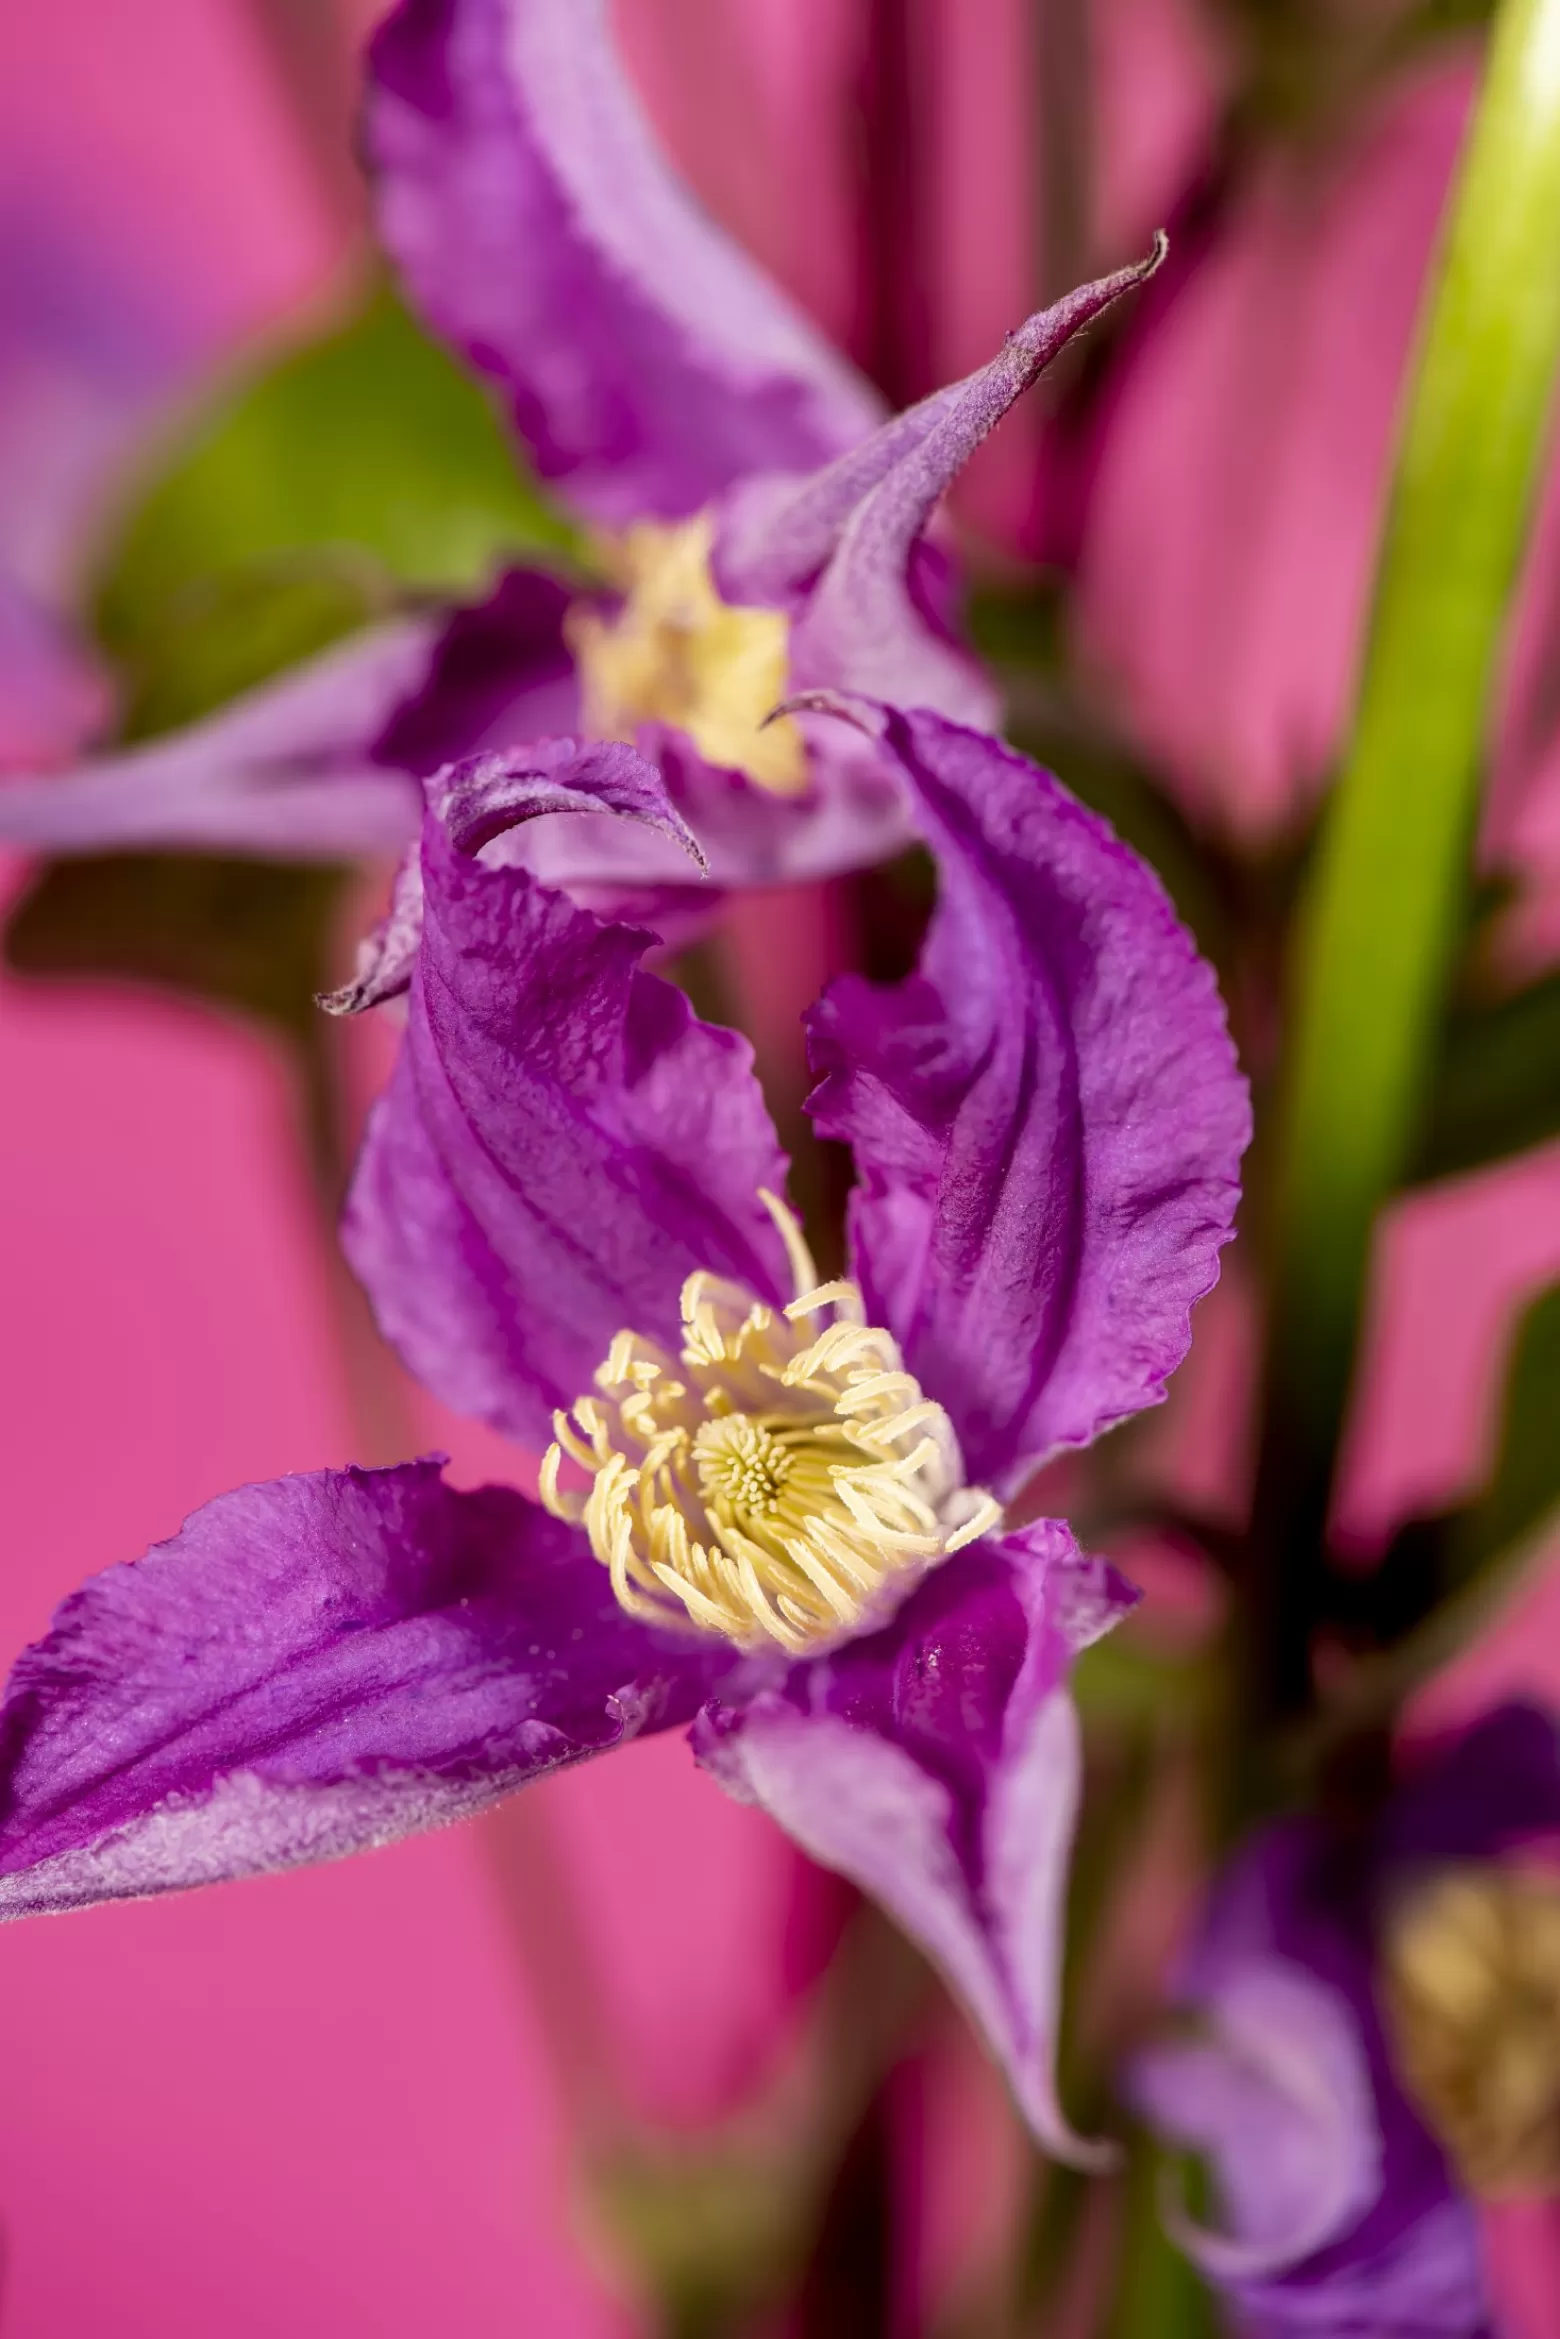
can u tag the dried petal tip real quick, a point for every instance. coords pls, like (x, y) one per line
(864, 714)
(774, 1484)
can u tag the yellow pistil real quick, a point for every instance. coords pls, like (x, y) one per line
(776, 1482)
(1471, 1990)
(676, 653)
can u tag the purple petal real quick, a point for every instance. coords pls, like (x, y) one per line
(502, 673)
(310, 1668)
(1284, 2065)
(561, 1145)
(487, 801)
(52, 697)
(646, 361)
(936, 1764)
(1343, 2215)
(855, 529)
(291, 769)
(1496, 1788)
(1047, 1117)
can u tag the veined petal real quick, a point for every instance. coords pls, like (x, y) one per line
(647, 363)
(292, 769)
(310, 1668)
(1047, 1117)
(936, 1764)
(488, 801)
(561, 1145)
(841, 547)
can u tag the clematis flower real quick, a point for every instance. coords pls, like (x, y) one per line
(1377, 2047)
(774, 1509)
(759, 528)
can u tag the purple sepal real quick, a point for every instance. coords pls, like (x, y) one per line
(290, 769)
(840, 549)
(309, 1668)
(936, 1764)
(502, 672)
(1047, 1117)
(647, 363)
(1341, 2216)
(487, 800)
(562, 1143)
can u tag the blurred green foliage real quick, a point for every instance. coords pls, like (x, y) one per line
(238, 934)
(345, 479)
(360, 469)
(1497, 1084)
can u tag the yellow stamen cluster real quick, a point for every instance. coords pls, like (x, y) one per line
(676, 653)
(1471, 1989)
(775, 1482)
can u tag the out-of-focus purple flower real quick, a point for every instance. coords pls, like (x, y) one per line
(1376, 2043)
(766, 532)
(771, 1509)
(84, 357)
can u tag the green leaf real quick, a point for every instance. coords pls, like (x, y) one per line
(241, 933)
(364, 466)
(1497, 1084)
(1386, 910)
(236, 632)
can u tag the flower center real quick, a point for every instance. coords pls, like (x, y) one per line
(674, 652)
(775, 1482)
(1472, 1997)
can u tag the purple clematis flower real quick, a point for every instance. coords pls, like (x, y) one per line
(759, 527)
(772, 1509)
(1378, 2045)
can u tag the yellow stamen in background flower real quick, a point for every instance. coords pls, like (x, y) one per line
(1471, 1990)
(676, 653)
(775, 1483)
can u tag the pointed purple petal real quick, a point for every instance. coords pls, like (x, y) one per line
(310, 1668)
(648, 364)
(855, 529)
(487, 801)
(1047, 1117)
(291, 769)
(561, 1145)
(936, 1764)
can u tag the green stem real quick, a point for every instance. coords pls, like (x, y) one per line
(1386, 911)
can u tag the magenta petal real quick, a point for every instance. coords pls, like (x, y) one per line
(647, 362)
(936, 1764)
(1337, 2212)
(312, 1667)
(52, 697)
(502, 672)
(489, 801)
(855, 530)
(1047, 1117)
(561, 1145)
(291, 769)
